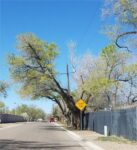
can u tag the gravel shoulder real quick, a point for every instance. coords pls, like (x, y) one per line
(118, 144)
(107, 145)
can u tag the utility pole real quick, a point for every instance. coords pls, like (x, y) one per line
(68, 83)
(82, 79)
(81, 112)
(68, 80)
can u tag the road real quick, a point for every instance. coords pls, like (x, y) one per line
(37, 136)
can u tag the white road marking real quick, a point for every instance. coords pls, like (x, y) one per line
(84, 143)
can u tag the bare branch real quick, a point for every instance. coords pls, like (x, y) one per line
(122, 35)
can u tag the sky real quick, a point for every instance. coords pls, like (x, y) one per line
(58, 21)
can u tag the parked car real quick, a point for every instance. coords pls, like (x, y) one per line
(52, 119)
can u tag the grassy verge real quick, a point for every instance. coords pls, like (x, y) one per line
(116, 139)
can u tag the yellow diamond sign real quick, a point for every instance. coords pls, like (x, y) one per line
(80, 104)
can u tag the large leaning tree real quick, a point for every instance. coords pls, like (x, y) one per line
(34, 69)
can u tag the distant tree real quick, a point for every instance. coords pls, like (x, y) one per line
(30, 112)
(83, 67)
(2, 107)
(2, 104)
(115, 63)
(101, 81)
(3, 87)
(56, 111)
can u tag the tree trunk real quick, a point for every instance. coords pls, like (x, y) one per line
(76, 120)
(70, 103)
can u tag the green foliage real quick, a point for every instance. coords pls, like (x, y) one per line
(55, 111)
(123, 31)
(131, 68)
(2, 107)
(110, 55)
(34, 67)
(46, 52)
(113, 59)
(3, 87)
(31, 112)
(95, 86)
(2, 104)
(108, 76)
(124, 10)
(109, 51)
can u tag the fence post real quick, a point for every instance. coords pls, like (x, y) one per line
(105, 131)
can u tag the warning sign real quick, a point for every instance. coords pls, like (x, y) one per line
(80, 104)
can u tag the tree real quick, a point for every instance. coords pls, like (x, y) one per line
(124, 33)
(83, 67)
(2, 104)
(31, 113)
(115, 63)
(2, 107)
(3, 87)
(102, 80)
(125, 28)
(35, 69)
(118, 70)
(56, 111)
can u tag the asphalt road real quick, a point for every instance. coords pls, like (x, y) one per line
(37, 136)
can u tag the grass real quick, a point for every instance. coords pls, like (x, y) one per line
(116, 139)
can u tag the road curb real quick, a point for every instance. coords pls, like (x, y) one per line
(83, 142)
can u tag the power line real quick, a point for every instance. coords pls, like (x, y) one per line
(87, 29)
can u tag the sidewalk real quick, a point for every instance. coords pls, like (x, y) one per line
(109, 143)
(106, 145)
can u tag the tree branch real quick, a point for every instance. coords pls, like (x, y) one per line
(37, 57)
(120, 36)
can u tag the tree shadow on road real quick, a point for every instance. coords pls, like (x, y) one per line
(32, 145)
(52, 128)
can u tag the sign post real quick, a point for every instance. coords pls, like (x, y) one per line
(80, 104)
(81, 120)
